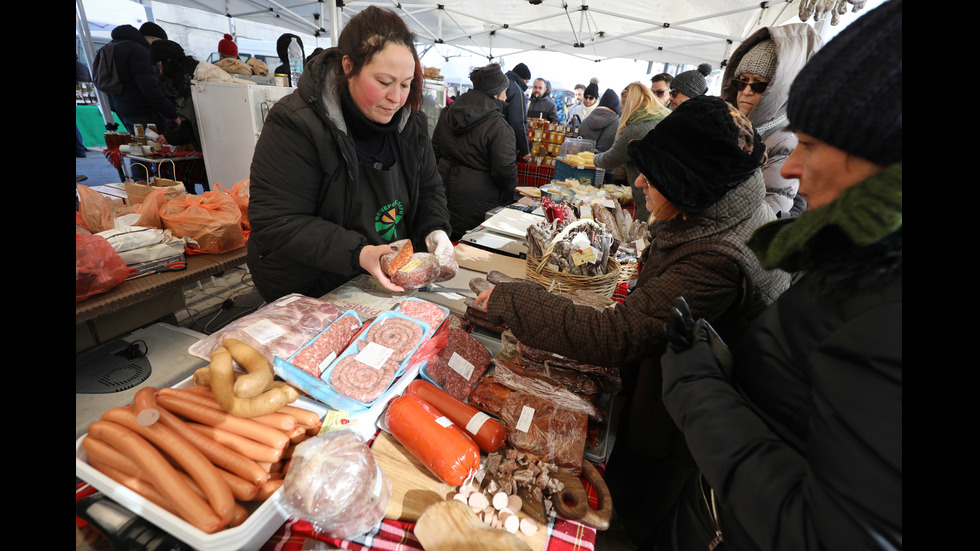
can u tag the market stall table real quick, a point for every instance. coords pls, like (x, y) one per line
(533, 175)
(132, 297)
(294, 534)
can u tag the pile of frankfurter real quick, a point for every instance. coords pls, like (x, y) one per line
(205, 451)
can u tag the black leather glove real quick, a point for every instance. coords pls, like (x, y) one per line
(683, 332)
(680, 326)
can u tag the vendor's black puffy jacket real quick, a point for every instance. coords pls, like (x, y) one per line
(142, 93)
(304, 190)
(475, 147)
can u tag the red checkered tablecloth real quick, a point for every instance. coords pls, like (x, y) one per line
(534, 175)
(393, 535)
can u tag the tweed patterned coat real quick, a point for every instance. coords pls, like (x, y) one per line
(703, 258)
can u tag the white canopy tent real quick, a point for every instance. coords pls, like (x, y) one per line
(680, 32)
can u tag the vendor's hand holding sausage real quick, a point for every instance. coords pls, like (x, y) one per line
(370, 259)
(439, 244)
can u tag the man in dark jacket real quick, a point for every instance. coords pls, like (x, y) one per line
(475, 150)
(542, 106)
(142, 99)
(516, 111)
(799, 441)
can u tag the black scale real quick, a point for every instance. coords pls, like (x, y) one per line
(113, 367)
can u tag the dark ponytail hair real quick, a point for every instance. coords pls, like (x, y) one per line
(366, 34)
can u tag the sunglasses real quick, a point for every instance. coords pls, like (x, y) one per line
(660, 93)
(673, 93)
(757, 87)
(589, 97)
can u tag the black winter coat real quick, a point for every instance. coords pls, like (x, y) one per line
(803, 446)
(474, 147)
(304, 190)
(516, 111)
(142, 92)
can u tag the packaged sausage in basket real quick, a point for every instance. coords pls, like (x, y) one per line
(277, 329)
(335, 484)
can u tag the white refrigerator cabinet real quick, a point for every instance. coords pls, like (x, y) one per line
(230, 117)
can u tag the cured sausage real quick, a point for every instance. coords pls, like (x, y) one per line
(487, 432)
(445, 449)
(421, 270)
(165, 478)
(191, 460)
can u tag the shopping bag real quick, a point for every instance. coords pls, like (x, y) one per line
(98, 267)
(212, 220)
(136, 192)
(239, 192)
(95, 210)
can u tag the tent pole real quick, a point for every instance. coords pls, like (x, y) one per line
(81, 23)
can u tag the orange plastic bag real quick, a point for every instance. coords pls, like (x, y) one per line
(98, 267)
(239, 192)
(97, 213)
(212, 219)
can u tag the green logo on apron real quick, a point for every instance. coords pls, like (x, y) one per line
(387, 218)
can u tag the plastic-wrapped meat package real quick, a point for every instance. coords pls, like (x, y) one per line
(489, 395)
(334, 484)
(515, 377)
(327, 346)
(459, 365)
(279, 328)
(538, 427)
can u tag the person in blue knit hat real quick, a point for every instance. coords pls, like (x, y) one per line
(797, 427)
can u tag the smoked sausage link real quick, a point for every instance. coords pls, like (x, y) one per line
(487, 432)
(445, 449)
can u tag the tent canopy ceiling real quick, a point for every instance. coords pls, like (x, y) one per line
(666, 31)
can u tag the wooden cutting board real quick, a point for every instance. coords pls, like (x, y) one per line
(451, 526)
(414, 489)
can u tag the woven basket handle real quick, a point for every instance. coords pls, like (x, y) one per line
(144, 168)
(561, 235)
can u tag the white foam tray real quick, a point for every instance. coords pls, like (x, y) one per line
(262, 522)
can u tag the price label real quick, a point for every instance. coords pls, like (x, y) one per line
(524, 420)
(461, 366)
(584, 256)
(374, 355)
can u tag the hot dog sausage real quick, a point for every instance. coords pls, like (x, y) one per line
(221, 456)
(487, 432)
(165, 478)
(447, 451)
(191, 460)
(225, 421)
(251, 449)
(145, 403)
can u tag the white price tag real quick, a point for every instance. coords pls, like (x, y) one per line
(444, 421)
(461, 366)
(264, 331)
(583, 257)
(374, 355)
(524, 421)
(476, 422)
(326, 361)
(640, 245)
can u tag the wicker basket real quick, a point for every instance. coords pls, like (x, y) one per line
(536, 270)
(628, 272)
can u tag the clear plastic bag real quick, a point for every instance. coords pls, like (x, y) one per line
(335, 484)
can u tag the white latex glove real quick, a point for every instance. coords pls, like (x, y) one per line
(438, 243)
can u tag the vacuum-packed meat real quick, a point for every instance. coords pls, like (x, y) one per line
(459, 365)
(535, 425)
(327, 346)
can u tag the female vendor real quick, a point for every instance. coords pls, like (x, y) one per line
(699, 172)
(344, 166)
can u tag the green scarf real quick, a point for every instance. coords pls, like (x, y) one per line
(866, 213)
(642, 115)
